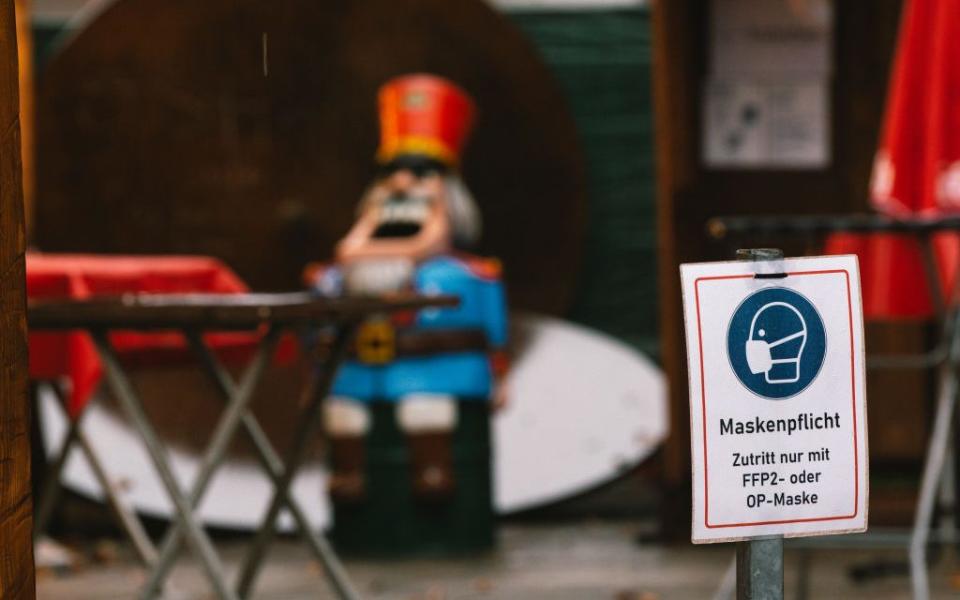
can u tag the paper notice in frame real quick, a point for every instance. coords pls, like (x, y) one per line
(783, 38)
(777, 398)
(766, 102)
(766, 124)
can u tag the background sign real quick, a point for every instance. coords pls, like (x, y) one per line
(777, 398)
(766, 101)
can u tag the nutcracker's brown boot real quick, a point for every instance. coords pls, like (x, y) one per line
(431, 455)
(348, 457)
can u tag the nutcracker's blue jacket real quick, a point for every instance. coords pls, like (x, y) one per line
(466, 375)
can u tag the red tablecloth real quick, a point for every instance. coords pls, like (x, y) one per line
(55, 355)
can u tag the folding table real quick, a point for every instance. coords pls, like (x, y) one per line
(58, 358)
(331, 323)
(937, 484)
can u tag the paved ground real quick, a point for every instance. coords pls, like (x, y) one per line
(572, 561)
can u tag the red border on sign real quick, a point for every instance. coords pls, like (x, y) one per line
(853, 404)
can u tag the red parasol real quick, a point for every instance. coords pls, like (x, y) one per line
(917, 167)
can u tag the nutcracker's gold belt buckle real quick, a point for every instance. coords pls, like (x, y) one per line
(376, 342)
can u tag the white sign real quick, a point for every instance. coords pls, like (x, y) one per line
(777, 398)
(766, 99)
(766, 124)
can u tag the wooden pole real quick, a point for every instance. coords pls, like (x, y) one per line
(674, 95)
(27, 119)
(16, 511)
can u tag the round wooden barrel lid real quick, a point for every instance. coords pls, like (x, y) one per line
(246, 130)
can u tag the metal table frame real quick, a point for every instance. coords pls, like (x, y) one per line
(50, 492)
(937, 485)
(192, 315)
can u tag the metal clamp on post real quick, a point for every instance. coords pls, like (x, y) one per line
(768, 256)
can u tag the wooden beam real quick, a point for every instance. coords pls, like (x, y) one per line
(16, 511)
(27, 126)
(674, 90)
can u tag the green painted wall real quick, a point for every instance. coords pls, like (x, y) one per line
(602, 59)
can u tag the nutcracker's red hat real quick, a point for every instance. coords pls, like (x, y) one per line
(423, 116)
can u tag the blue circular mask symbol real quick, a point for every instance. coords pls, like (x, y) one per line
(776, 343)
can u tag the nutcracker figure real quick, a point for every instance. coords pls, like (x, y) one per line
(414, 224)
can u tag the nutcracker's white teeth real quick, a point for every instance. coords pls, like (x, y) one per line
(401, 218)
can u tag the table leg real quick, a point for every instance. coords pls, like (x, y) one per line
(273, 467)
(126, 517)
(124, 390)
(304, 435)
(223, 433)
(728, 585)
(51, 484)
(933, 468)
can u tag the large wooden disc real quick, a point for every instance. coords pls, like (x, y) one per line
(246, 129)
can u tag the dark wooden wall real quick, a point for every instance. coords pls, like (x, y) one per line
(16, 516)
(689, 194)
(191, 147)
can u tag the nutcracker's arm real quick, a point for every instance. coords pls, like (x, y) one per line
(477, 283)
(325, 279)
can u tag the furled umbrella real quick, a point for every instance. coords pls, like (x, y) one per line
(917, 167)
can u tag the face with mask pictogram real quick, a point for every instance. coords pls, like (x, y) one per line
(776, 343)
(778, 334)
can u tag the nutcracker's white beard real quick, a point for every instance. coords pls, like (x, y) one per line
(465, 219)
(378, 276)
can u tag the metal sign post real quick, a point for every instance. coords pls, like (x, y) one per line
(760, 562)
(760, 569)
